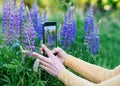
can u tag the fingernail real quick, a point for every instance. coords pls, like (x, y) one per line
(42, 45)
(33, 53)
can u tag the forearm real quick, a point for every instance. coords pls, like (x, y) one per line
(115, 81)
(91, 72)
(69, 79)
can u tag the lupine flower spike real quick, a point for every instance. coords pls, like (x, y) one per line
(5, 20)
(69, 28)
(49, 43)
(89, 26)
(23, 18)
(91, 33)
(29, 35)
(34, 14)
(97, 38)
(11, 30)
(16, 19)
(43, 19)
(14, 24)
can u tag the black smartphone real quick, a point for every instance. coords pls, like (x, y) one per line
(50, 34)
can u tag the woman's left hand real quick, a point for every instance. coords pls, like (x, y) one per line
(51, 63)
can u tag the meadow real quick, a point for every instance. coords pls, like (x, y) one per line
(16, 72)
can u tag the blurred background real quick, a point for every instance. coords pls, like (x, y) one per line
(82, 5)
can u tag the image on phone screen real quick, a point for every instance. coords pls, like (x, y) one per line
(50, 34)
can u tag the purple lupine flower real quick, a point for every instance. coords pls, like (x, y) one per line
(11, 27)
(69, 28)
(5, 20)
(89, 29)
(4, 17)
(96, 39)
(43, 19)
(17, 23)
(89, 26)
(49, 41)
(35, 17)
(14, 24)
(96, 43)
(92, 29)
(91, 39)
(29, 35)
(22, 14)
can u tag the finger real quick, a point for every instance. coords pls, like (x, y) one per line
(46, 64)
(41, 50)
(44, 67)
(39, 56)
(27, 52)
(56, 50)
(49, 70)
(49, 53)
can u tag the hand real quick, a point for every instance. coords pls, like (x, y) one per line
(61, 54)
(51, 64)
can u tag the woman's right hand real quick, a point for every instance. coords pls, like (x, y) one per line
(60, 53)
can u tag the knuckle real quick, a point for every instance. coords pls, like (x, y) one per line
(59, 49)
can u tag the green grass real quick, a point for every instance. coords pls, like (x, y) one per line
(15, 72)
(0, 29)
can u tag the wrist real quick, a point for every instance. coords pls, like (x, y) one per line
(60, 72)
(66, 56)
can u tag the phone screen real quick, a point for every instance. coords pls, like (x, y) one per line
(50, 34)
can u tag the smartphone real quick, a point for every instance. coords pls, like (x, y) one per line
(50, 34)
